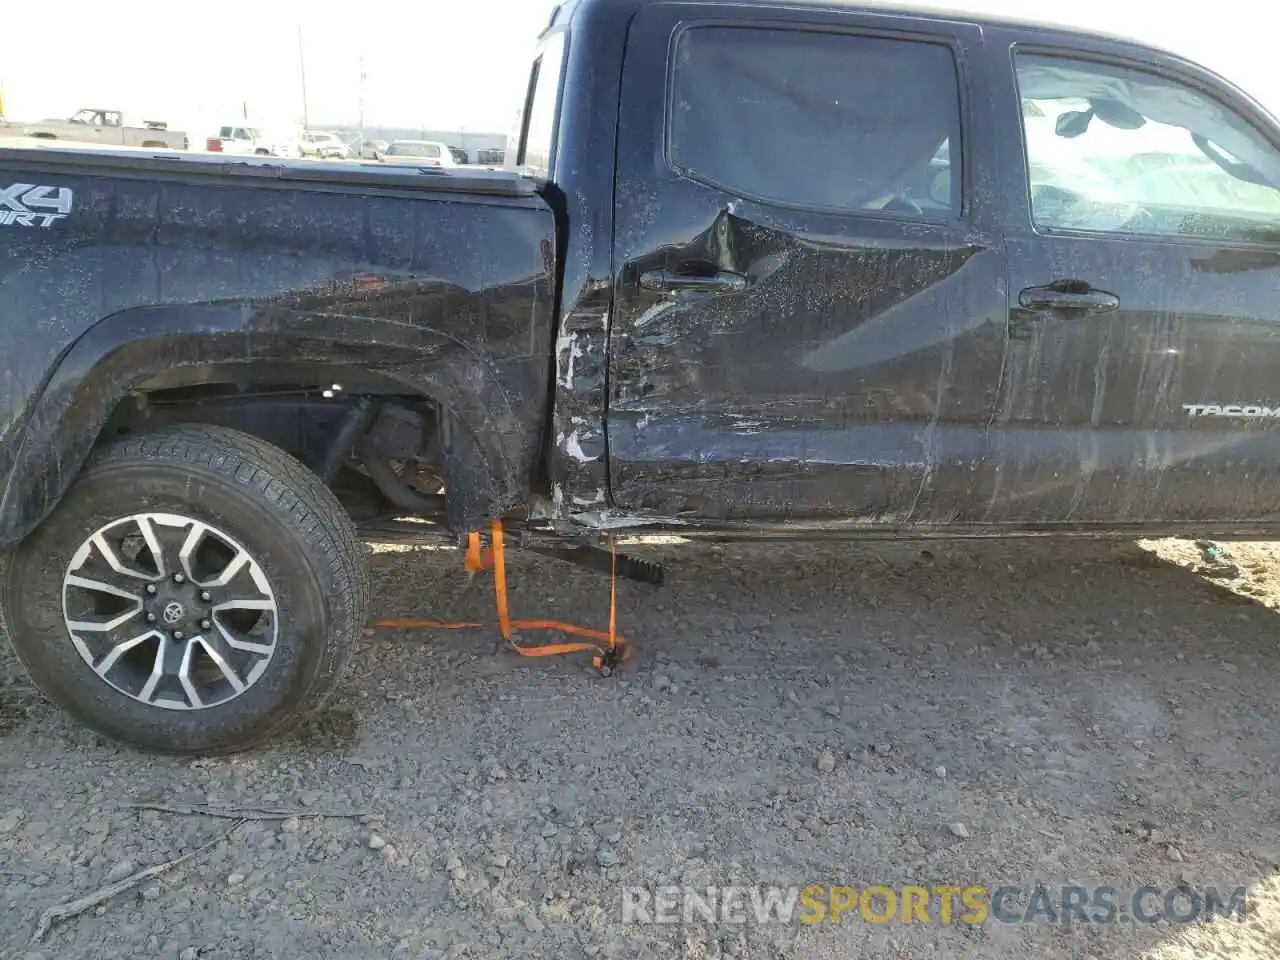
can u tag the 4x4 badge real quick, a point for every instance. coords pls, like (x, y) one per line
(33, 205)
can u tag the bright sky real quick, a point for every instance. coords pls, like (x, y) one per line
(444, 64)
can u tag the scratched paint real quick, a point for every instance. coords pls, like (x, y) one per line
(852, 374)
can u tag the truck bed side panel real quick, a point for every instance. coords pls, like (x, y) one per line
(445, 292)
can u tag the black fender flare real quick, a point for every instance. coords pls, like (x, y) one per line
(488, 464)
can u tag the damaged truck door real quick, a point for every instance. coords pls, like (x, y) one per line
(809, 307)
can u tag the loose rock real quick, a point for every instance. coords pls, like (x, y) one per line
(120, 870)
(532, 923)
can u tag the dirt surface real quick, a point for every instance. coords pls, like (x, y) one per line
(991, 714)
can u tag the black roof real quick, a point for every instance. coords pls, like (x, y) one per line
(905, 8)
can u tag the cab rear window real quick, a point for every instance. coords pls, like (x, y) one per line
(538, 127)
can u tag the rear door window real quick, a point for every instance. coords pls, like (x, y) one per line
(822, 120)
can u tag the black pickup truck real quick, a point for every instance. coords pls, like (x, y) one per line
(758, 269)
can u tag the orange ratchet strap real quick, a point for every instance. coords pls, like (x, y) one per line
(609, 646)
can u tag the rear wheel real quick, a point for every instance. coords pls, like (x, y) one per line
(196, 591)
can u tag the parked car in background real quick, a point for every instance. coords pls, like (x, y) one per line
(459, 155)
(491, 158)
(255, 141)
(324, 146)
(372, 149)
(418, 153)
(97, 125)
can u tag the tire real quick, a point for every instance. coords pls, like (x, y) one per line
(283, 626)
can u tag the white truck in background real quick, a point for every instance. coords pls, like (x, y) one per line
(246, 140)
(96, 125)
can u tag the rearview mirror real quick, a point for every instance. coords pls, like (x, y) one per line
(1072, 123)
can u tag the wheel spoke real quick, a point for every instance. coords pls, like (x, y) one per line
(189, 546)
(169, 536)
(103, 666)
(157, 672)
(98, 586)
(246, 603)
(148, 531)
(249, 646)
(215, 650)
(184, 677)
(230, 571)
(95, 572)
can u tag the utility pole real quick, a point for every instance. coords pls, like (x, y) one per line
(302, 69)
(363, 76)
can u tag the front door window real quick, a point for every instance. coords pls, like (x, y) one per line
(1116, 150)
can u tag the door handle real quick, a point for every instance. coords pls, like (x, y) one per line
(721, 281)
(1068, 295)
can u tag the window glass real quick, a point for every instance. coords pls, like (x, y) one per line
(823, 120)
(1124, 151)
(410, 148)
(540, 108)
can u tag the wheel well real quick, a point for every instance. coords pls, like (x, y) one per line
(154, 143)
(378, 447)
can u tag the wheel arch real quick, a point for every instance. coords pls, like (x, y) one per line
(489, 457)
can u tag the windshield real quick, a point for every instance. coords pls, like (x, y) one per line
(405, 149)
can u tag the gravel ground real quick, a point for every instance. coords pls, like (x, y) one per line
(857, 714)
